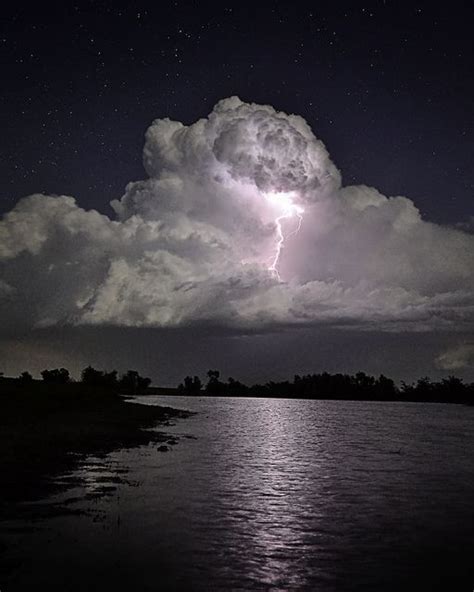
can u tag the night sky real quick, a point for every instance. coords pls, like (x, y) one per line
(387, 86)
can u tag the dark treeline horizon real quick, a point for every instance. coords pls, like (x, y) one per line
(129, 382)
(359, 386)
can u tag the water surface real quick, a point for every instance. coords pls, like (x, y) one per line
(268, 494)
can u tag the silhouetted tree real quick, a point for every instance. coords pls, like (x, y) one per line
(385, 388)
(91, 376)
(133, 383)
(56, 376)
(235, 388)
(25, 378)
(94, 377)
(110, 379)
(190, 386)
(214, 386)
(452, 389)
(424, 389)
(449, 390)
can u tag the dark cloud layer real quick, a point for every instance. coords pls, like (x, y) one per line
(169, 354)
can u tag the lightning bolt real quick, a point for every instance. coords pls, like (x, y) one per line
(284, 201)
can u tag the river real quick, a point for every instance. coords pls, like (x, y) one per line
(267, 494)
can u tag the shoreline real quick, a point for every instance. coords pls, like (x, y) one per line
(46, 433)
(205, 395)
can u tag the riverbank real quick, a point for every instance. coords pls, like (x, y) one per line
(47, 430)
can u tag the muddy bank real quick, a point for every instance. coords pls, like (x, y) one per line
(47, 432)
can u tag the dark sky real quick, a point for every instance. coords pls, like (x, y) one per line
(387, 85)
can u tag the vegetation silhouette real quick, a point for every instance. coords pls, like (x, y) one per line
(129, 383)
(92, 380)
(56, 376)
(25, 378)
(360, 386)
(132, 383)
(190, 386)
(95, 377)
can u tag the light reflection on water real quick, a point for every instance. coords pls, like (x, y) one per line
(276, 495)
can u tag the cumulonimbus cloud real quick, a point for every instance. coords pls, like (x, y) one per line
(193, 243)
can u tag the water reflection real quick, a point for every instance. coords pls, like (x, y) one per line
(277, 495)
(262, 497)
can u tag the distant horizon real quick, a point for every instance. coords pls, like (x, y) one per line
(76, 377)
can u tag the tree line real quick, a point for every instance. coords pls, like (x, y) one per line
(359, 386)
(129, 382)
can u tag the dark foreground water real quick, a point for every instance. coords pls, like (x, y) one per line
(267, 494)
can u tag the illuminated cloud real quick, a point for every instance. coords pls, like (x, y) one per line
(456, 358)
(199, 241)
